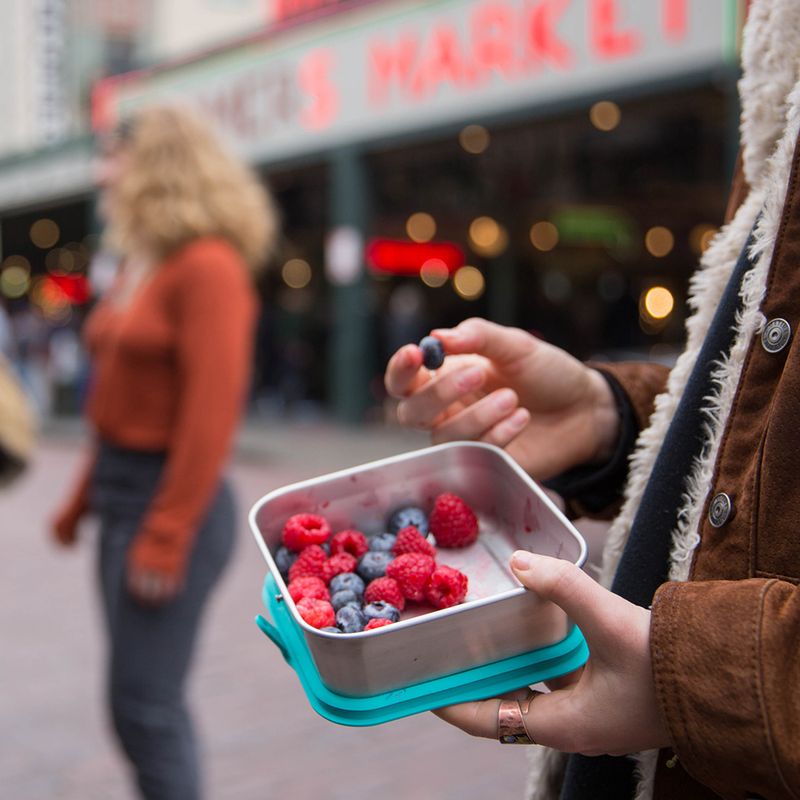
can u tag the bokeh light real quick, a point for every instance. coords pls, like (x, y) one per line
(474, 139)
(45, 233)
(605, 115)
(659, 241)
(487, 237)
(700, 237)
(421, 227)
(544, 235)
(296, 273)
(469, 283)
(434, 273)
(658, 302)
(14, 281)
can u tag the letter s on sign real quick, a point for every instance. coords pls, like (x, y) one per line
(313, 74)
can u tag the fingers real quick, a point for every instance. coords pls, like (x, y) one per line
(568, 586)
(494, 419)
(403, 375)
(476, 719)
(496, 342)
(434, 395)
(65, 532)
(151, 588)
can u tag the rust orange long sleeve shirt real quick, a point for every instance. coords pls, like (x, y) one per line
(171, 371)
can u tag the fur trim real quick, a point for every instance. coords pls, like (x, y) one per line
(545, 773)
(645, 774)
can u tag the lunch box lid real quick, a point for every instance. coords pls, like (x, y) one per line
(476, 683)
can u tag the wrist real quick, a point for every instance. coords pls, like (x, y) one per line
(605, 417)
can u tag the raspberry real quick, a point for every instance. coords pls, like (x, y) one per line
(377, 623)
(317, 613)
(310, 562)
(385, 589)
(309, 586)
(453, 522)
(446, 587)
(336, 565)
(410, 540)
(302, 530)
(411, 571)
(349, 541)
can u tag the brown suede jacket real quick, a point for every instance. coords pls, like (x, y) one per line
(725, 646)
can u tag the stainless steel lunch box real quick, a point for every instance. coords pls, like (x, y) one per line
(499, 618)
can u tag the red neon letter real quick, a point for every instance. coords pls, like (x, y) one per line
(543, 42)
(493, 38)
(607, 40)
(675, 19)
(445, 63)
(386, 63)
(313, 75)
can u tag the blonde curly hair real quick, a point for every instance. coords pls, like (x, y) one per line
(179, 183)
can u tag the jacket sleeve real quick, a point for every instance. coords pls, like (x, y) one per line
(214, 311)
(727, 674)
(595, 490)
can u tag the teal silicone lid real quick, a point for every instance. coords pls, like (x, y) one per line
(476, 683)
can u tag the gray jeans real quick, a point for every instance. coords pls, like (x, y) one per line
(150, 649)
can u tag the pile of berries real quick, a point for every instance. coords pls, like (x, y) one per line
(347, 582)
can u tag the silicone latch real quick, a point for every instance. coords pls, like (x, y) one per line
(275, 636)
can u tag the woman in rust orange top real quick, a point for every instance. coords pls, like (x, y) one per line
(171, 351)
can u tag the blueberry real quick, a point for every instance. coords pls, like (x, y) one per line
(382, 543)
(330, 630)
(432, 352)
(350, 619)
(284, 559)
(381, 610)
(347, 580)
(345, 597)
(408, 515)
(373, 565)
(326, 546)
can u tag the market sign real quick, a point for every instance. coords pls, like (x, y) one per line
(396, 67)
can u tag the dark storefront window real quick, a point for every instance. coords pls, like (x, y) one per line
(616, 212)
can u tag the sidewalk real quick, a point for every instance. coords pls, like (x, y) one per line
(261, 738)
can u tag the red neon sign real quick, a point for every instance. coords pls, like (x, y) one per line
(399, 257)
(74, 288)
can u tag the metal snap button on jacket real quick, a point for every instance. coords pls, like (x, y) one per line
(720, 510)
(776, 335)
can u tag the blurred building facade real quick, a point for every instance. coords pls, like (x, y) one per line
(558, 164)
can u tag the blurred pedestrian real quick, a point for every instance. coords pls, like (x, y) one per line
(171, 349)
(17, 424)
(693, 665)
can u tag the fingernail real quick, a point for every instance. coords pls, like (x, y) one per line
(519, 419)
(505, 401)
(470, 378)
(521, 560)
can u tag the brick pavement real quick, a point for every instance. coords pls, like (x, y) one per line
(260, 737)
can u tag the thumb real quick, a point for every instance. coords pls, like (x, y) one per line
(585, 601)
(498, 343)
